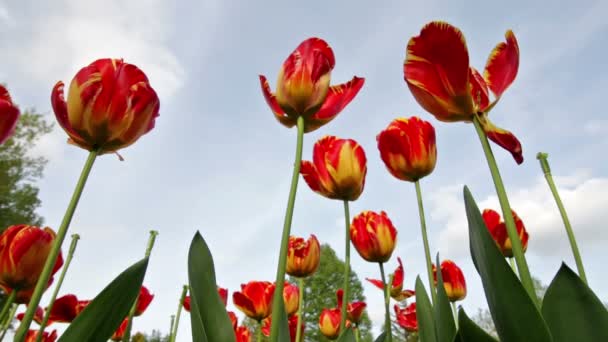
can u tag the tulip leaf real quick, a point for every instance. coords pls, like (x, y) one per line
(346, 336)
(208, 313)
(112, 304)
(424, 314)
(444, 318)
(381, 337)
(469, 331)
(284, 323)
(572, 311)
(514, 313)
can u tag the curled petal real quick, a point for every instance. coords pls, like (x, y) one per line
(502, 65)
(309, 172)
(504, 139)
(271, 100)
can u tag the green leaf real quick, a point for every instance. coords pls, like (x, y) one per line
(514, 313)
(381, 337)
(572, 311)
(424, 314)
(470, 332)
(208, 314)
(347, 336)
(444, 318)
(100, 319)
(283, 323)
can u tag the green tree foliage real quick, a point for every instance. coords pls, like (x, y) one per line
(19, 171)
(154, 336)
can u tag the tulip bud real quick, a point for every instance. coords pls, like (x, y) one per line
(303, 256)
(373, 236)
(291, 297)
(329, 323)
(453, 280)
(498, 230)
(9, 115)
(338, 168)
(144, 299)
(255, 299)
(406, 318)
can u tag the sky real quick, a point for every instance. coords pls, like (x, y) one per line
(218, 162)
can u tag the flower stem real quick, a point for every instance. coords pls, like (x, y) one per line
(544, 164)
(513, 267)
(425, 241)
(357, 338)
(7, 305)
(522, 265)
(278, 293)
(45, 275)
(9, 319)
(346, 266)
(455, 312)
(259, 332)
(66, 265)
(175, 325)
(300, 306)
(171, 328)
(387, 298)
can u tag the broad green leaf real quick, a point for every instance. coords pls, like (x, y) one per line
(347, 336)
(470, 332)
(100, 319)
(514, 313)
(210, 316)
(424, 314)
(283, 323)
(381, 337)
(444, 318)
(572, 311)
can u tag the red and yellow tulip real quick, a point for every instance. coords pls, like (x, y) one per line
(329, 323)
(407, 148)
(498, 230)
(110, 105)
(354, 310)
(32, 336)
(291, 297)
(337, 170)
(23, 252)
(397, 292)
(373, 236)
(303, 256)
(303, 87)
(453, 280)
(438, 73)
(406, 317)
(255, 299)
(9, 115)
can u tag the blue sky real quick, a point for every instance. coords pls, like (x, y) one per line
(219, 162)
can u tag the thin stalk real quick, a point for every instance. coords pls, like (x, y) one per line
(171, 328)
(522, 265)
(425, 241)
(455, 313)
(7, 324)
(346, 266)
(300, 306)
(513, 267)
(66, 265)
(127, 335)
(45, 275)
(178, 314)
(7, 304)
(387, 298)
(544, 164)
(357, 337)
(259, 332)
(278, 292)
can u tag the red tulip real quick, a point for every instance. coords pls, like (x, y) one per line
(291, 297)
(397, 291)
(406, 318)
(373, 236)
(110, 105)
(407, 148)
(255, 299)
(9, 115)
(64, 309)
(38, 317)
(120, 332)
(303, 87)
(233, 319)
(144, 299)
(438, 74)
(23, 252)
(292, 321)
(354, 310)
(303, 256)
(338, 168)
(32, 336)
(453, 280)
(243, 334)
(221, 291)
(498, 230)
(187, 303)
(329, 323)
(82, 304)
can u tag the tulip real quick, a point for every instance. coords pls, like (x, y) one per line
(144, 299)
(292, 321)
(65, 309)
(187, 303)
(23, 252)
(110, 105)
(338, 168)
(303, 256)
(243, 334)
(291, 297)
(406, 318)
(303, 87)
(407, 148)
(32, 335)
(373, 236)
(255, 299)
(329, 323)
(396, 292)
(437, 71)
(9, 115)
(453, 280)
(498, 230)
(354, 310)
(120, 332)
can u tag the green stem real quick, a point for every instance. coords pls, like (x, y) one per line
(259, 332)
(513, 267)
(518, 253)
(9, 319)
(455, 313)
(387, 298)
(127, 335)
(425, 241)
(357, 337)
(300, 306)
(55, 249)
(7, 304)
(66, 265)
(544, 164)
(171, 338)
(346, 266)
(278, 293)
(178, 314)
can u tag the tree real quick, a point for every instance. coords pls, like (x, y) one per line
(19, 171)
(320, 293)
(155, 336)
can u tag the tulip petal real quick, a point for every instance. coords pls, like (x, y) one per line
(479, 90)
(9, 115)
(64, 309)
(279, 114)
(504, 139)
(61, 113)
(309, 172)
(338, 97)
(436, 70)
(376, 282)
(502, 65)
